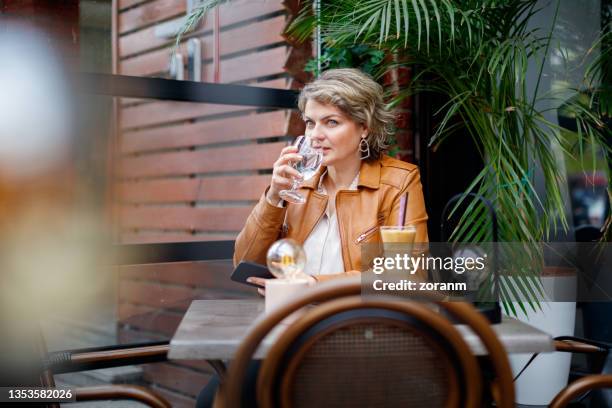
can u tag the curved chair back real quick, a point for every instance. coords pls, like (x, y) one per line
(383, 351)
(579, 387)
(351, 352)
(102, 392)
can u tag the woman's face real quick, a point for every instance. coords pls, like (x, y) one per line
(333, 132)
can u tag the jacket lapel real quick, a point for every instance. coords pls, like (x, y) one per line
(305, 216)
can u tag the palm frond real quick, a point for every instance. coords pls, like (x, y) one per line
(477, 54)
(194, 17)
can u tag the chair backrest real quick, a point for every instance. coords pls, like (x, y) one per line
(579, 387)
(351, 352)
(356, 351)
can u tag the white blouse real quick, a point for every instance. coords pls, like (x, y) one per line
(323, 247)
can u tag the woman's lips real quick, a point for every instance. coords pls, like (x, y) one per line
(323, 149)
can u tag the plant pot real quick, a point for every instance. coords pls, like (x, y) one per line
(549, 372)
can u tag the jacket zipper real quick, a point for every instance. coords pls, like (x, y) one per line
(366, 234)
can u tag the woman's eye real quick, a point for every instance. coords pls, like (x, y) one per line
(309, 124)
(332, 122)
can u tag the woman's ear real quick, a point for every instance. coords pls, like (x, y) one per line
(364, 131)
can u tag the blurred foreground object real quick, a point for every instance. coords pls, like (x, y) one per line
(34, 108)
(48, 249)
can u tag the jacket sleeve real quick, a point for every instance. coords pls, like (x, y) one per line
(262, 228)
(416, 214)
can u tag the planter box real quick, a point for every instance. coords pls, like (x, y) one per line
(548, 373)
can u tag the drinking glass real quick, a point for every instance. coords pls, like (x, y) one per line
(397, 239)
(398, 234)
(307, 167)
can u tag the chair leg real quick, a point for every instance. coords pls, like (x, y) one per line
(219, 367)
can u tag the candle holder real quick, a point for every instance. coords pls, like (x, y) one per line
(286, 260)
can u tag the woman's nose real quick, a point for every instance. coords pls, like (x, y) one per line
(317, 133)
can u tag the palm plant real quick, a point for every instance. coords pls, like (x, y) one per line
(476, 53)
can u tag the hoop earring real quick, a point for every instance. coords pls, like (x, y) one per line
(364, 147)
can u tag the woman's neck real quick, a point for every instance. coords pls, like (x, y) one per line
(340, 176)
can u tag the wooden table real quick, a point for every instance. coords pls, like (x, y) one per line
(213, 330)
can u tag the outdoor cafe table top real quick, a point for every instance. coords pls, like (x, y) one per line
(213, 330)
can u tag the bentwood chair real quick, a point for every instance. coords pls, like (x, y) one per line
(69, 361)
(350, 350)
(581, 387)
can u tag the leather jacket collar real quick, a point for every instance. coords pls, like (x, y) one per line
(369, 176)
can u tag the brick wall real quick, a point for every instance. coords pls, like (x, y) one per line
(398, 79)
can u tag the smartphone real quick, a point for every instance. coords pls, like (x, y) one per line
(246, 269)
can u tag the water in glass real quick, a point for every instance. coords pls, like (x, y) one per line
(308, 167)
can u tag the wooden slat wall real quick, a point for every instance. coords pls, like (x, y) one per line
(257, 34)
(149, 13)
(174, 157)
(190, 171)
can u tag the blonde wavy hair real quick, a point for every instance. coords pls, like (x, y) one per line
(358, 96)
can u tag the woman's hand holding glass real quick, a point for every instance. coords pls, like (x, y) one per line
(283, 173)
(306, 166)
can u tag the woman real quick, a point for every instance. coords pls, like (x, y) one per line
(357, 189)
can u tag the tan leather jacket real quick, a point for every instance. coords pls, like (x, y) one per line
(360, 212)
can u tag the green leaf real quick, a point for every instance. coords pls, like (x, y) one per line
(417, 13)
(398, 19)
(478, 62)
(406, 22)
(438, 21)
(426, 18)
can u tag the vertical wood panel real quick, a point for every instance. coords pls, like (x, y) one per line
(115, 46)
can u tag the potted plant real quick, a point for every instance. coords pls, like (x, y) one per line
(477, 53)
